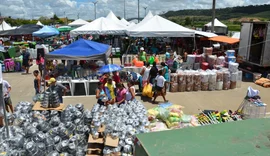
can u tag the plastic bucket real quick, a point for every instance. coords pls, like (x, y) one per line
(232, 59)
(256, 76)
(230, 53)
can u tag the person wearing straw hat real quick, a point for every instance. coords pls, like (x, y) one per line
(58, 87)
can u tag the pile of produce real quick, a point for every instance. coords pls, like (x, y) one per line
(208, 117)
(168, 116)
(171, 115)
(121, 122)
(50, 133)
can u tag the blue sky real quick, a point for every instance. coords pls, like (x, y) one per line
(85, 8)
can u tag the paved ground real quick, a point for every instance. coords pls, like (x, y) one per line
(23, 90)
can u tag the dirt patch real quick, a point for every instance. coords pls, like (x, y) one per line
(257, 146)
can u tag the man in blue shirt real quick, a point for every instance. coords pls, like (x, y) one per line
(26, 61)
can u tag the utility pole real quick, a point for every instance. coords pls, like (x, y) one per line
(213, 16)
(95, 5)
(145, 11)
(124, 9)
(78, 15)
(65, 17)
(138, 11)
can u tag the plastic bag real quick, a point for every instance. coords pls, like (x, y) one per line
(176, 107)
(186, 118)
(163, 113)
(147, 91)
(172, 124)
(172, 114)
(174, 119)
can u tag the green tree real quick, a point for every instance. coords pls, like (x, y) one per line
(55, 17)
(188, 21)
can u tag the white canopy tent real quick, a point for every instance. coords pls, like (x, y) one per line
(39, 23)
(111, 16)
(219, 28)
(146, 18)
(236, 35)
(217, 23)
(100, 26)
(78, 22)
(124, 21)
(159, 27)
(5, 26)
(205, 34)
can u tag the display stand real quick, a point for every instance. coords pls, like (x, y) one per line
(88, 83)
(73, 85)
(38, 107)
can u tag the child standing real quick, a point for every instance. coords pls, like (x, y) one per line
(160, 83)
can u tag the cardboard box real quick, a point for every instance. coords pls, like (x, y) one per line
(37, 107)
(116, 154)
(94, 151)
(109, 141)
(95, 141)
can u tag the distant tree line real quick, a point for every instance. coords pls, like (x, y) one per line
(261, 11)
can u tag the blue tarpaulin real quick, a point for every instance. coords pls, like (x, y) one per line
(82, 50)
(46, 31)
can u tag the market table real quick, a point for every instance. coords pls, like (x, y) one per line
(38, 107)
(247, 138)
(73, 85)
(88, 83)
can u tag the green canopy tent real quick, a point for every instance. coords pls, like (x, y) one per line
(65, 28)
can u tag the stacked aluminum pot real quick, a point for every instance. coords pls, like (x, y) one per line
(121, 122)
(46, 133)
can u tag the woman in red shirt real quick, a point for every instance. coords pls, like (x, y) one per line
(116, 77)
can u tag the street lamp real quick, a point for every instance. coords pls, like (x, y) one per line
(138, 11)
(145, 11)
(95, 4)
(124, 9)
(213, 16)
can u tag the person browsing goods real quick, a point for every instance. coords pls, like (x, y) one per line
(58, 87)
(7, 99)
(142, 55)
(160, 83)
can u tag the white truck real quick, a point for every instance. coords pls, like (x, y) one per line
(254, 47)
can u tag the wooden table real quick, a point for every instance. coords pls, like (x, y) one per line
(38, 107)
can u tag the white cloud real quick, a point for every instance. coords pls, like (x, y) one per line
(37, 8)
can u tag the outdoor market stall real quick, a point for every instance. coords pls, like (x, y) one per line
(219, 27)
(78, 22)
(81, 50)
(27, 29)
(4, 26)
(45, 32)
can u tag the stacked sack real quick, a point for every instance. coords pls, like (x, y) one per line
(174, 84)
(219, 83)
(226, 80)
(197, 81)
(212, 80)
(189, 81)
(182, 81)
(235, 75)
(204, 80)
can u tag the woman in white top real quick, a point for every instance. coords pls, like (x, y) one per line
(145, 73)
(131, 92)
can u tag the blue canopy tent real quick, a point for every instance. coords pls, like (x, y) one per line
(46, 31)
(82, 50)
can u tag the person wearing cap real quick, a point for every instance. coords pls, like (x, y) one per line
(58, 87)
(142, 55)
(110, 87)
